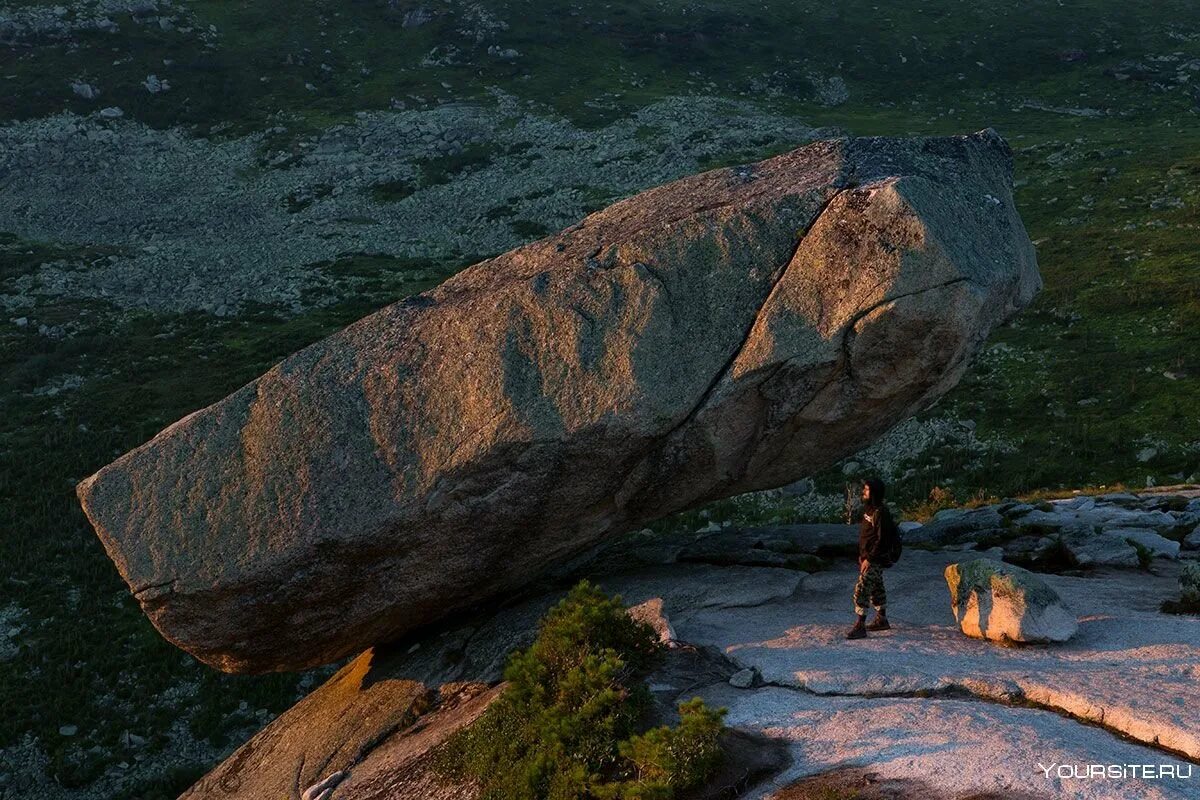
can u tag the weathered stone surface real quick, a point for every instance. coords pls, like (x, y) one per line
(749, 759)
(863, 783)
(364, 715)
(742, 679)
(1027, 550)
(813, 538)
(651, 612)
(1002, 602)
(1090, 549)
(790, 546)
(957, 524)
(954, 748)
(1192, 540)
(372, 732)
(1159, 546)
(1048, 521)
(728, 332)
(1131, 669)
(477, 650)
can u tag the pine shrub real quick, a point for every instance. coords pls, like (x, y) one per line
(567, 725)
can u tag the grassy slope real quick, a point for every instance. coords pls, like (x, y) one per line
(1121, 306)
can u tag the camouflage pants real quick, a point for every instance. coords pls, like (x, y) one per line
(869, 590)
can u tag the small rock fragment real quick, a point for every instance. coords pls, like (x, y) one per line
(742, 679)
(651, 612)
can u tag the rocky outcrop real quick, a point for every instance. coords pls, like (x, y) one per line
(1155, 545)
(1192, 540)
(1004, 603)
(1111, 673)
(727, 332)
(768, 643)
(1081, 532)
(337, 737)
(956, 525)
(372, 731)
(1087, 548)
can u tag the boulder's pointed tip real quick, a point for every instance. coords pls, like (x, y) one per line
(83, 490)
(86, 493)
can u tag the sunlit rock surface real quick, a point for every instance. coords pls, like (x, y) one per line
(731, 331)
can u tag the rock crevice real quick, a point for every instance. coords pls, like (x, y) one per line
(1015, 698)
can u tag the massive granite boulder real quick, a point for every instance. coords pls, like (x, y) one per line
(727, 332)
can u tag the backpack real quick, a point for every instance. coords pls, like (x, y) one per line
(890, 538)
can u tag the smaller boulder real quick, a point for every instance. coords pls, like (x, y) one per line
(1090, 549)
(85, 90)
(1039, 520)
(1192, 540)
(1081, 503)
(1159, 546)
(1004, 603)
(1012, 510)
(955, 525)
(651, 612)
(913, 532)
(742, 679)
(1113, 517)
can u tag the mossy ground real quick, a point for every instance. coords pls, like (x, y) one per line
(1106, 361)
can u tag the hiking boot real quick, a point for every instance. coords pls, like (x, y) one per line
(859, 631)
(880, 623)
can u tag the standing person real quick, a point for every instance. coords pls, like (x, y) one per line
(876, 550)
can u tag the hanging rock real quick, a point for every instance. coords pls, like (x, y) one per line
(728, 332)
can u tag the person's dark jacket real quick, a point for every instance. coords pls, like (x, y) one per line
(871, 544)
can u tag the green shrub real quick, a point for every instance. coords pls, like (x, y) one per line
(392, 191)
(667, 758)
(1189, 592)
(1144, 555)
(1189, 583)
(939, 498)
(567, 724)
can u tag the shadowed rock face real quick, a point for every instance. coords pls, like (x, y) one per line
(727, 332)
